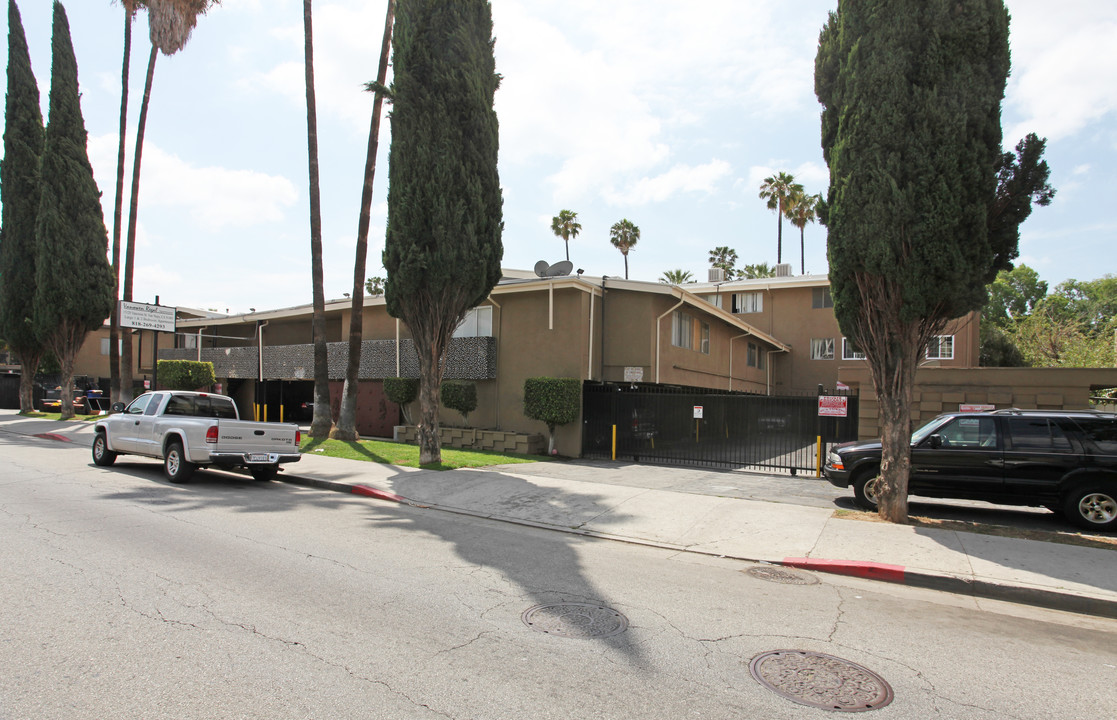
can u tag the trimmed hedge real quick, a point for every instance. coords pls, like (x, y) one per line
(555, 401)
(185, 374)
(460, 396)
(401, 390)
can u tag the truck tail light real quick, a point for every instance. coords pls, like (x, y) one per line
(298, 437)
(211, 434)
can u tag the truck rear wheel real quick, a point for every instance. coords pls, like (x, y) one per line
(177, 468)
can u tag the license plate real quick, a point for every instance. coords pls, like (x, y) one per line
(258, 457)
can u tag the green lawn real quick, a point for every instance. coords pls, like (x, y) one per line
(394, 453)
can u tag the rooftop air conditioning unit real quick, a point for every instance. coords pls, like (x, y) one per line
(717, 275)
(783, 270)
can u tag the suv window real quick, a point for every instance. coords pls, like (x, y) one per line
(1101, 432)
(970, 433)
(1037, 434)
(138, 405)
(180, 405)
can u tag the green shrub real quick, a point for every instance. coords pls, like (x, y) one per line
(460, 396)
(185, 374)
(402, 391)
(555, 401)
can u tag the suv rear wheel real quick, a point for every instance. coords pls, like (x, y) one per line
(1092, 506)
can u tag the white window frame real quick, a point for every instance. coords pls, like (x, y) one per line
(850, 352)
(937, 345)
(704, 337)
(822, 348)
(748, 302)
(478, 322)
(714, 300)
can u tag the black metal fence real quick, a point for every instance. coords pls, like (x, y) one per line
(704, 427)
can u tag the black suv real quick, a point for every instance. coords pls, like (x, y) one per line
(1065, 461)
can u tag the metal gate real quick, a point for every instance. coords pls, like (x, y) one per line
(704, 427)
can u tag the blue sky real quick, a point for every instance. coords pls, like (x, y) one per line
(637, 109)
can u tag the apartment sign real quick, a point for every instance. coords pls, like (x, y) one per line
(141, 316)
(833, 406)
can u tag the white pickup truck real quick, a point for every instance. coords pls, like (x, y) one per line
(188, 429)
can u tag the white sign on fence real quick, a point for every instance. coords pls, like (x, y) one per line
(697, 412)
(142, 316)
(833, 406)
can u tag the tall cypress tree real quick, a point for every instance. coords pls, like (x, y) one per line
(911, 93)
(19, 194)
(443, 245)
(74, 281)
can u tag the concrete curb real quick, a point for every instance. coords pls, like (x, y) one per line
(898, 574)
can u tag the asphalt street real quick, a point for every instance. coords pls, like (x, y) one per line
(126, 596)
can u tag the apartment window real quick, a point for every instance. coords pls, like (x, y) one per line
(753, 356)
(687, 333)
(822, 348)
(941, 347)
(681, 330)
(851, 351)
(714, 300)
(748, 302)
(821, 298)
(478, 322)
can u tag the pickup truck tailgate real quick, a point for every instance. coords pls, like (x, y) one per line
(255, 437)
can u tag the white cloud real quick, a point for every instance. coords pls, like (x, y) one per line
(679, 179)
(1064, 66)
(214, 197)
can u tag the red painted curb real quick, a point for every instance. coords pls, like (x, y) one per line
(856, 568)
(378, 494)
(53, 436)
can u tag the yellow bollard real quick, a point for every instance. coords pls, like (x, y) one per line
(818, 457)
(614, 442)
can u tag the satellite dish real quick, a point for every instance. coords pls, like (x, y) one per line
(542, 268)
(560, 268)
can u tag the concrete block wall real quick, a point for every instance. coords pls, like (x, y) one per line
(471, 439)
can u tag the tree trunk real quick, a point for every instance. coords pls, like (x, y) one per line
(66, 360)
(323, 414)
(430, 379)
(28, 366)
(893, 376)
(114, 321)
(779, 232)
(802, 251)
(346, 424)
(133, 211)
(626, 266)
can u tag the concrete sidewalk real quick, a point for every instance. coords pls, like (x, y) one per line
(644, 504)
(619, 501)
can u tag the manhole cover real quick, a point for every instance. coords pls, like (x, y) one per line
(781, 575)
(821, 681)
(575, 620)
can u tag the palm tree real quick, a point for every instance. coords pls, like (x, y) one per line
(677, 277)
(565, 226)
(130, 9)
(346, 427)
(778, 191)
(624, 235)
(803, 210)
(322, 417)
(725, 258)
(758, 270)
(170, 23)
